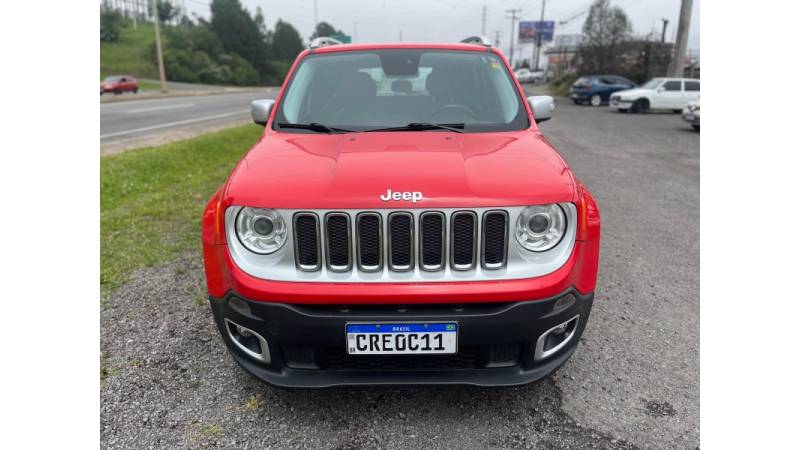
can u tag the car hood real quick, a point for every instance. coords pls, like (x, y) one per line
(635, 92)
(332, 171)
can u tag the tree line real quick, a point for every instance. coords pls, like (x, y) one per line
(231, 47)
(609, 47)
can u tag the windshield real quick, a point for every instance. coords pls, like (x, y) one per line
(652, 84)
(110, 79)
(395, 87)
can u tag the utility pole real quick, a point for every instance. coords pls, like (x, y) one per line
(513, 18)
(539, 38)
(355, 31)
(159, 54)
(665, 22)
(315, 16)
(400, 36)
(483, 21)
(497, 38)
(676, 65)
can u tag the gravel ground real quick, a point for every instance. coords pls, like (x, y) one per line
(634, 381)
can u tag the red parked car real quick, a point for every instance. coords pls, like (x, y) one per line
(401, 221)
(119, 84)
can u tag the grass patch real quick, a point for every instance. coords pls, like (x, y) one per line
(131, 54)
(212, 431)
(560, 86)
(152, 199)
(149, 86)
(254, 403)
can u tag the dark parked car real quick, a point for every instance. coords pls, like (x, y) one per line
(596, 89)
(119, 84)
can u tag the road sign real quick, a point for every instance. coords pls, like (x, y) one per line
(529, 29)
(343, 38)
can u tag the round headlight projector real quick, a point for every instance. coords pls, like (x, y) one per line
(260, 230)
(540, 228)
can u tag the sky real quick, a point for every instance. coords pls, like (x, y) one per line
(453, 20)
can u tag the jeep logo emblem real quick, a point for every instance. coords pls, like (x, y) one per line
(413, 196)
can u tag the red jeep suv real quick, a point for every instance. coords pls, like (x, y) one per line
(402, 220)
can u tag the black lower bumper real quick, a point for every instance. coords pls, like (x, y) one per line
(496, 342)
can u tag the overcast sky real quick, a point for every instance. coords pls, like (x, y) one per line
(452, 20)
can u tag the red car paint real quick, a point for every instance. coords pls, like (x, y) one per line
(338, 171)
(119, 84)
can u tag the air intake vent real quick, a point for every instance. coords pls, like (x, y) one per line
(431, 244)
(306, 242)
(463, 242)
(369, 240)
(495, 235)
(401, 241)
(338, 243)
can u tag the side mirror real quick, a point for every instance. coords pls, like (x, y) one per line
(542, 106)
(260, 110)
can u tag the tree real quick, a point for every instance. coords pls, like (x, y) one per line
(325, 29)
(605, 30)
(111, 22)
(286, 41)
(166, 11)
(238, 32)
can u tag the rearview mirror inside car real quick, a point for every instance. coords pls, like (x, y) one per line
(542, 106)
(260, 110)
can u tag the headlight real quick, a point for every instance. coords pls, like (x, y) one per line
(260, 230)
(540, 228)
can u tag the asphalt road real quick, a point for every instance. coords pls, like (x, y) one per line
(633, 381)
(148, 121)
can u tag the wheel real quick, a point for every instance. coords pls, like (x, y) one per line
(640, 106)
(576, 101)
(676, 111)
(696, 127)
(622, 110)
(117, 92)
(596, 100)
(136, 90)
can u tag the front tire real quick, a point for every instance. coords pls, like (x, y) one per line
(136, 91)
(596, 100)
(640, 106)
(576, 101)
(696, 127)
(622, 110)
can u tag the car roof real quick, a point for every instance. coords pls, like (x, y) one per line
(400, 45)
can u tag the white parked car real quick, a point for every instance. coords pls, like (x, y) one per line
(691, 113)
(528, 76)
(658, 93)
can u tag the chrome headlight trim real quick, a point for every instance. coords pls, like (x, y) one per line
(551, 217)
(265, 241)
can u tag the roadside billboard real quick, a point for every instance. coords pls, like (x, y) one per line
(529, 30)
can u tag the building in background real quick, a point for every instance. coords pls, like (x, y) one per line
(562, 57)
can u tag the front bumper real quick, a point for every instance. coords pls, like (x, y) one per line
(692, 117)
(495, 344)
(619, 103)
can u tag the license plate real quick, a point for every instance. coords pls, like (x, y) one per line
(402, 338)
(689, 116)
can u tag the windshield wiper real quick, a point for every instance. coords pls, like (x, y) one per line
(314, 126)
(420, 126)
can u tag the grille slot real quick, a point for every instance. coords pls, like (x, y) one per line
(306, 242)
(463, 240)
(495, 237)
(370, 241)
(431, 241)
(338, 242)
(401, 241)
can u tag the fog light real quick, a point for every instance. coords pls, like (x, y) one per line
(555, 338)
(248, 341)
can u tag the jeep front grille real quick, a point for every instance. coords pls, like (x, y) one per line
(401, 241)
